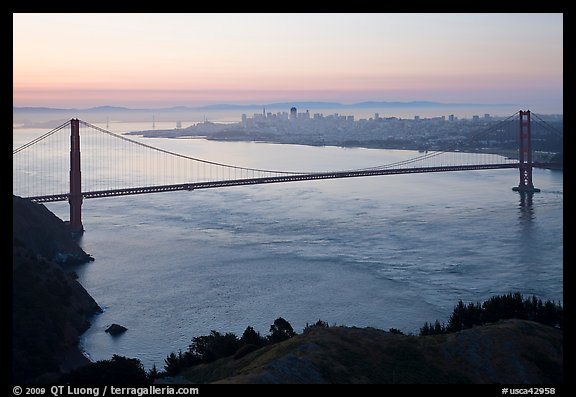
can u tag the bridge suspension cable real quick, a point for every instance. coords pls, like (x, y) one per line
(40, 138)
(187, 157)
(547, 126)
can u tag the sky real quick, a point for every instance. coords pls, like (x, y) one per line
(162, 60)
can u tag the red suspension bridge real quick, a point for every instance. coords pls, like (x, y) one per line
(44, 172)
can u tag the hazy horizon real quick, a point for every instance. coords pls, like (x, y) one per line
(314, 103)
(166, 60)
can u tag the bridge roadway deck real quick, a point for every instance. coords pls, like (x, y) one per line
(272, 179)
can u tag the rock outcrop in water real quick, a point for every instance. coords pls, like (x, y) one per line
(116, 329)
(50, 308)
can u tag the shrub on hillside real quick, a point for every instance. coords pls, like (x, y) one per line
(209, 348)
(499, 307)
(117, 371)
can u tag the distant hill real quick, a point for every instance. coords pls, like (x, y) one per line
(508, 352)
(278, 105)
(97, 109)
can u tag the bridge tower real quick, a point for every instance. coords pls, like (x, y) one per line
(75, 197)
(525, 154)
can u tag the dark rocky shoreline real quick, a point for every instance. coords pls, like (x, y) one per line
(51, 309)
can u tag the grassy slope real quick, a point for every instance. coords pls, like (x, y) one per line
(511, 351)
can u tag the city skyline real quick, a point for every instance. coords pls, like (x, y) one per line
(162, 60)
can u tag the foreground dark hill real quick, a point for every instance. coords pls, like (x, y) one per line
(510, 351)
(50, 309)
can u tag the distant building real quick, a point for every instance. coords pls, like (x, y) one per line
(416, 117)
(293, 113)
(475, 118)
(451, 117)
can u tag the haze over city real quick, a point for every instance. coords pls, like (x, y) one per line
(162, 60)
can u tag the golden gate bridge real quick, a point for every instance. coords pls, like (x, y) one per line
(56, 167)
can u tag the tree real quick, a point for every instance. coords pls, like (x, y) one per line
(118, 370)
(551, 314)
(456, 320)
(152, 374)
(211, 347)
(173, 363)
(319, 323)
(281, 330)
(425, 329)
(252, 337)
(503, 307)
(429, 329)
(499, 307)
(439, 328)
(464, 316)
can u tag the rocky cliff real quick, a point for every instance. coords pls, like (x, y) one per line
(35, 227)
(50, 309)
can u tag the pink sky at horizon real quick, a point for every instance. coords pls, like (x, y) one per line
(162, 60)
